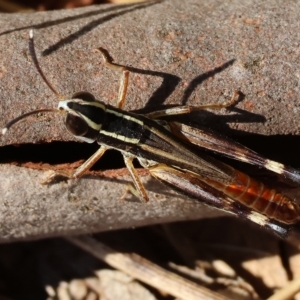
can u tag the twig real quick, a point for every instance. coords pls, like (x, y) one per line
(145, 271)
(287, 292)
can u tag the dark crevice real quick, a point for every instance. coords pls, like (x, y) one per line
(281, 148)
(284, 149)
(59, 153)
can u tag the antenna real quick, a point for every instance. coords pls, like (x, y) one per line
(37, 65)
(12, 122)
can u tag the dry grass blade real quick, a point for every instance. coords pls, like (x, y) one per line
(287, 292)
(145, 271)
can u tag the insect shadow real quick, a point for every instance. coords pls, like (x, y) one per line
(110, 13)
(152, 185)
(196, 119)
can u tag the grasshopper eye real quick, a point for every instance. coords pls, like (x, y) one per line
(76, 125)
(86, 96)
